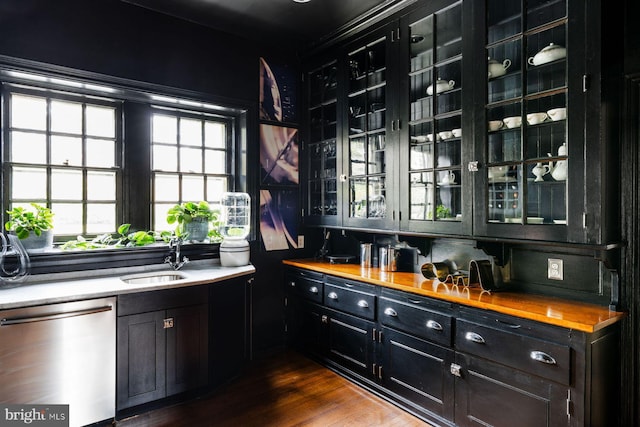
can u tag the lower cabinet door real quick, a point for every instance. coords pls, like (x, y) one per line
(350, 342)
(418, 371)
(489, 394)
(187, 348)
(141, 359)
(305, 329)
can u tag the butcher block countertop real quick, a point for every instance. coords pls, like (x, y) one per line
(553, 311)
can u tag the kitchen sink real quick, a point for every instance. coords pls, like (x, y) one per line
(155, 277)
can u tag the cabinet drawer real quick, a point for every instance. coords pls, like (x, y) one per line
(542, 358)
(415, 319)
(350, 300)
(305, 287)
(143, 302)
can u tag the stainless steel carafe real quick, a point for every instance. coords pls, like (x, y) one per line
(365, 254)
(388, 258)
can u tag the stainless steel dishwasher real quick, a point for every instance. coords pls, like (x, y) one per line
(61, 354)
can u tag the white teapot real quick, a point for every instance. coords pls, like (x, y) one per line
(497, 69)
(440, 86)
(559, 170)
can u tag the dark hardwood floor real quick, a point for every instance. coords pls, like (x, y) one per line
(284, 390)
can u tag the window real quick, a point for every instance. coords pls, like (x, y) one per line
(191, 160)
(62, 152)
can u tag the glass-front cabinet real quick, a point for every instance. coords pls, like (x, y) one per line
(529, 95)
(367, 137)
(323, 196)
(432, 149)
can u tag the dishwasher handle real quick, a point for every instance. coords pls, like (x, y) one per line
(54, 316)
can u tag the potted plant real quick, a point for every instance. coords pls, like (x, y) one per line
(192, 219)
(33, 227)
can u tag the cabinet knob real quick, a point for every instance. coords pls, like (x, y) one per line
(432, 324)
(472, 166)
(542, 357)
(455, 370)
(362, 303)
(168, 323)
(473, 337)
(324, 319)
(390, 312)
(313, 290)
(332, 295)
(292, 283)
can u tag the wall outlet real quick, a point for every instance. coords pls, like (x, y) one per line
(555, 269)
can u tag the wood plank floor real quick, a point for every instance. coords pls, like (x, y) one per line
(285, 390)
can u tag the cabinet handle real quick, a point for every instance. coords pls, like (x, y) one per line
(313, 290)
(324, 319)
(168, 324)
(455, 370)
(509, 324)
(363, 304)
(390, 312)
(333, 295)
(415, 301)
(542, 357)
(432, 324)
(292, 284)
(473, 337)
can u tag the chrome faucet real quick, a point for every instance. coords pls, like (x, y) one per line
(174, 246)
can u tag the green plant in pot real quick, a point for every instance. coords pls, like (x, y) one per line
(192, 220)
(33, 227)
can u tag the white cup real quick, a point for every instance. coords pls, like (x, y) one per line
(447, 134)
(494, 125)
(512, 122)
(536, 118)
(557, 114)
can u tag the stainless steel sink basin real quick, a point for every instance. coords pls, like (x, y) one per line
(154, 277)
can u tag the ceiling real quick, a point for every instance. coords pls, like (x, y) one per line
(283, 23)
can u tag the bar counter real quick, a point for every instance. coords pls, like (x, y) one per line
(554, 311)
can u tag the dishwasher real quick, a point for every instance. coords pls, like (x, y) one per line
(61, 354)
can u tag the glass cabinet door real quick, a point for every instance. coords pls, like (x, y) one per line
(435, 140)
(367, 144)
(322, 172)
(526, 111)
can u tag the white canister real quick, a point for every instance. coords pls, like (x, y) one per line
(234, 252)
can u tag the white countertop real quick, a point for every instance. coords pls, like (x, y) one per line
(64, 287)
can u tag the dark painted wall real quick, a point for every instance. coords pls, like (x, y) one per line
(117, 39)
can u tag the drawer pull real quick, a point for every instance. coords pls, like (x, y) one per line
(542, 357)
(362, 303)
(509, 324)
(432, 324)
(473, 337)
(390, 312)
(313, 290)
(333, 295)
(415, 301)
(292, 283)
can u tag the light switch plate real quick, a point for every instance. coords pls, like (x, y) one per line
(555, 269)
(301, 242)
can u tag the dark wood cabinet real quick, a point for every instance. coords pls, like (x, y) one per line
(162, 344)
(451, 364)
(467, 118)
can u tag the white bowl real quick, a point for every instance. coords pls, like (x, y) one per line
(557, 114)
(494, 125)
(457, 132)
(447, 134)
(512, 122)
(497, 171)
(535, 118)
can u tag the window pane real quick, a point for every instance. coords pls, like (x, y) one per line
(66, 184)
(101, 121)
(67, 218)
(191, 132)
(165, 129)
(215, 188)
(192, 188)
(101, 185)
(215, 161)
(66, 117)
(66, 150)
(214, 135)
(160, 214)
(28, 112)
(29, 184)
(101, 153)
(101, 218)
(28, 147)
(165, 158)
(190, 160)
(167, 188)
